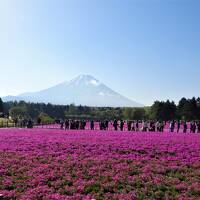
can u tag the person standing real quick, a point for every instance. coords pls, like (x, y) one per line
(92, 125)
(162, 125)
(84, 124)
(185, 127)
(137, 126)
(157, 126)
(106, 124)
(171, 126)
(194, 127)
(72, 125)
(101, 125)
(115, 125)
(198, 126)
(133, 126)
(66, 124)
(178, 126)
(129, 123)
(121, 125)
(144, 126)
(77, 124)
(61, 125)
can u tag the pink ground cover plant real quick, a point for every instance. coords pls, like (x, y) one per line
(56, 164)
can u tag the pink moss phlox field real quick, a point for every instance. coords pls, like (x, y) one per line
(55, 164)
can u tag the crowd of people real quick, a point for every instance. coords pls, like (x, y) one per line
(28, 123)
(143, 126)
(73, 124)
(121, 125)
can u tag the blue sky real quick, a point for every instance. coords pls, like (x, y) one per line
(144, 49)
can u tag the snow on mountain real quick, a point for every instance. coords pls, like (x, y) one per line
(82, 90)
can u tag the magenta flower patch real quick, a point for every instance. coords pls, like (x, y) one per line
(54, 164)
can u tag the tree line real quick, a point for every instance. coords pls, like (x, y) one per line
(186, 109)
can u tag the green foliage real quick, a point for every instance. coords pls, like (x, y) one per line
(18, 112)
(134, 113)
(95, 188)
(72, 110)
(161, 110)
(45, 118)
(187, 109)
(1, 108)
(6, 122)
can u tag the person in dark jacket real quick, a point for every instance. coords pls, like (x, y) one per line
(106, 124)
(137, 126)
(121, 125)
(185, 127)
(30, 124)
(66, 124)
(77, 124)
(129, 124)
(178, 126)
(198, 127)
(92, 125)
(115, 125)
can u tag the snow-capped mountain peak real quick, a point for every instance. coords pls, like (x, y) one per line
(82, 90)
(85, 79)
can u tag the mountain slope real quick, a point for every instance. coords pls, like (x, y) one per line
(83, 90)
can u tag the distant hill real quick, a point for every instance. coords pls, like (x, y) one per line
(82, 90)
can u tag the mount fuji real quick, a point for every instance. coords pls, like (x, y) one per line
(82, 90)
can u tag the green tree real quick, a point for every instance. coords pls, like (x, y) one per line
(188, 109)
(198, 108)
(18, 112)
(157, 110)
(161, 110)
(170, 110)
(45, 118)
(134, 113)
(128, 113)
(72, 110)
(1, 107)
(139, 114)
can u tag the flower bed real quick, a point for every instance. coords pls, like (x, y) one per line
(55, 164)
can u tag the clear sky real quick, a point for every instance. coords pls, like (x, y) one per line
(144, 49)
